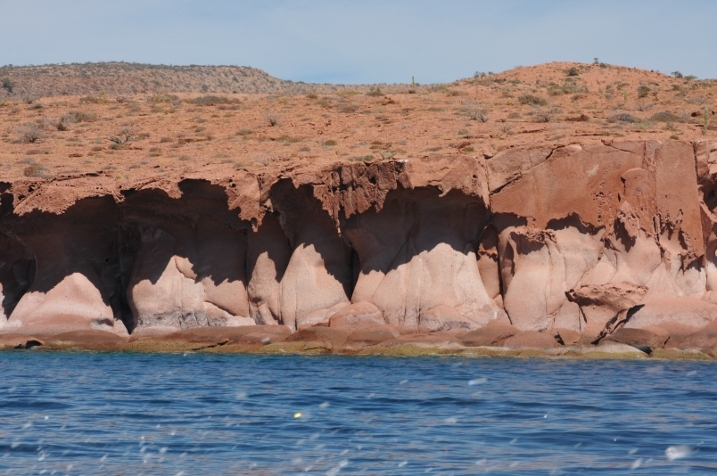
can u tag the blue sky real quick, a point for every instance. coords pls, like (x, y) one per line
(367, 41)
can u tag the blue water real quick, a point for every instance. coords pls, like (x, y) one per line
(196, 414)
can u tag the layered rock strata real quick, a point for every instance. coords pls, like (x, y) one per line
(578, 243)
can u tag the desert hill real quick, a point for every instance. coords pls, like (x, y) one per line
(120, 78)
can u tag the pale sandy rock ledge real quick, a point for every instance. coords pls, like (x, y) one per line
(574, 250)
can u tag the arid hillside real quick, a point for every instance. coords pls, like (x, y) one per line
(132, 135)
(568, 207)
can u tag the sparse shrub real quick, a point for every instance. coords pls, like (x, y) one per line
(330, 142)
(287, 139)
(263, 160)
(532, 100)
(244, 133)
(99, 99)
(272, 118)
(165, 140)
(30, 132)
(666, 116)
(476, 112)
(8, 85)
(36, 170)
(573, 72)
(677, 74)
(63, 123)
(165, 98)
(690, 77)
(706, 119)
(347, 108)
(211, 100)
(644, 106)
(580, 118)
(542, 116)
(81, 116)
(38, 151)
(120, 141)
(374, 91)
(643, 91)
(312, 96)
(623, 117)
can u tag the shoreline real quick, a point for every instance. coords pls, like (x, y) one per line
(412, 346)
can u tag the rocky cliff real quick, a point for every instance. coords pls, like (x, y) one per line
(581, 241)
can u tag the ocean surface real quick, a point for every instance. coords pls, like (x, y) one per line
(199, 414)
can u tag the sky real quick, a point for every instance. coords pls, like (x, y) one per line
(364, 41)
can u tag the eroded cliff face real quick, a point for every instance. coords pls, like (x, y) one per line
(583, 239)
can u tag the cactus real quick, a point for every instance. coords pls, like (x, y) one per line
(412, 89)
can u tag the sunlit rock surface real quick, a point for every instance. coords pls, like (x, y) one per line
(541, 247)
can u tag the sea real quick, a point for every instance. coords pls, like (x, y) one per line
(83, 413)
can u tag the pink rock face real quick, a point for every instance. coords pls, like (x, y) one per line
(534, 247)
(75, 268)
(353, 316)
(418, 261)
(187, 273)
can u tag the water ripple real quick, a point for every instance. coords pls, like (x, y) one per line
(66, 413)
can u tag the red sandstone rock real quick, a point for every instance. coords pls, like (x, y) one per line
(601, 304)
(641, 338)
(627, 238)
(566, 336)
(532, 340)
(368, 336)
(703, 339)
(87, 339)
(19, 341)
(329, 338)
(361, 314)
(679, 316)
(226, 335)
(495, 333)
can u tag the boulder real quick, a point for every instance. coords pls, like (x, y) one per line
(643, 339)
(19, 341)
(87, 339)
(326, 337)
(532, 340)
(566, 336)
(601, 304)
(368, 336)
(495, 333)
(679, 316)
(702, 339)
(225, 335)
